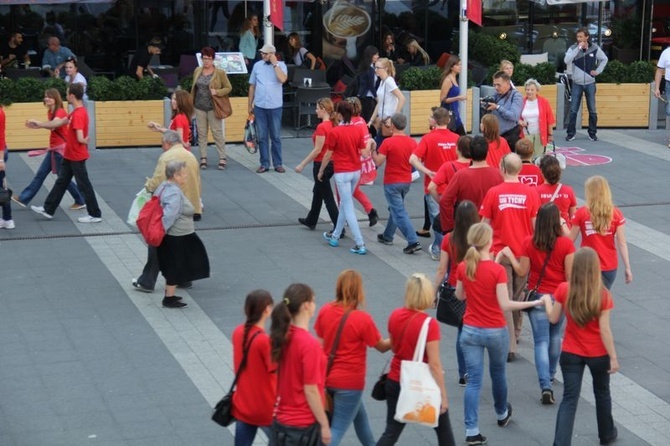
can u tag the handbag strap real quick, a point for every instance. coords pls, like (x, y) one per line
(336, 342)
(553, 197)
(420, 348)
(243, 363)
(544, 267)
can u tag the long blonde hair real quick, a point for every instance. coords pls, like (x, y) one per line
(388, 64)
(424, 55)
(584, 300)
(419, 292)
(599, 203)
(479, 235)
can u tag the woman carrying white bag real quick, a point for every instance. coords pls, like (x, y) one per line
(425, 401)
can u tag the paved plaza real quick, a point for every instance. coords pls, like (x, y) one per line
(87, 360)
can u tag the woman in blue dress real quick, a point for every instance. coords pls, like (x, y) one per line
(450, 93)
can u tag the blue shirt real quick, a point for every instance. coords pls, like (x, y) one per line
(269, 91)
(54, 59)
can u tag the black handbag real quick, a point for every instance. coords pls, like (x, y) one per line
(223, 411)
(533, 295)
(379, 389)
(5, 193)
(450, 310)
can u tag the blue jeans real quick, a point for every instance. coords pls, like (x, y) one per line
(572, 367)
(547, 340)
(246, 433)
(7, 207)
(608, 278)
(434, 211)
(398, 217)
(473, 342)
(348, 407)
(590, 92)
(445, 436)
(42, 172)
(346, 183)
(268, 126)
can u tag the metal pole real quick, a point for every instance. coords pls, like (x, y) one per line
(268, 28)
(601, 7)
(463, 51)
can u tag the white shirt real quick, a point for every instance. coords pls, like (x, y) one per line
(664, 63)
(531, 114)
(387, 101)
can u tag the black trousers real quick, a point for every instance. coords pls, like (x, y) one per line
(322, 192)
(69, 169)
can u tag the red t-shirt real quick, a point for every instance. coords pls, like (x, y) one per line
(583, 341)
(554, 273)
(445, 173)
(467, 184)
(530, 175)
(482, 309)
(57, 136)
(256, 392)
(358, 120)
(497, 149)
(359, 333)
(397, 149)
(436, 148)
(565, 198)
(74, 150)
(303, 363)
(511, 208)
(3, 128)
(322, 130)
(451, 266)
(181, 122)
(603, 244)
(346, 141)
(404, 327)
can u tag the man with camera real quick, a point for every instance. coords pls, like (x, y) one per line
(506, 105)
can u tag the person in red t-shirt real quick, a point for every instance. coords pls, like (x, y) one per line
(53, 157)
(561, 194)
(256, 387)
(588, 342)
(74, 158)
(530, 174)
(547, 254)
(321, 192)
(438, 184)
(396, 151)
(182, 112)
(404, 326)
(482, 283)
(345, 379)
(368, 168)
(300, 416)
(454, 246)
(511, 207)
(435, 149)
(498, 146)
(602, 227)
(469, 184)
(345, 145)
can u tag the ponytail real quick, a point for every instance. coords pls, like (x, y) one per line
(479, 236)
(254, 307)
(294, 297)
(471, 260)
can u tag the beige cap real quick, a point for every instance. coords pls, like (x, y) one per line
(267, 48)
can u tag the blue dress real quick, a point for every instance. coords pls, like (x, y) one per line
(454, 91)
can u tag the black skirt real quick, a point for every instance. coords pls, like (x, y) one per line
(183, 259)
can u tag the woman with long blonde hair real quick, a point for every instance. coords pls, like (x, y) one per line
(601, 225)
(389, 97)
(482, 283)
(418, 57)
(345, 379)
(498, 146)
(588, 342)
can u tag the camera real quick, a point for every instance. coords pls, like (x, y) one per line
(488, 99)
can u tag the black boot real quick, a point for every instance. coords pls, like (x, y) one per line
(373, 216)
(173, 302)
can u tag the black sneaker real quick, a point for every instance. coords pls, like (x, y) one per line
(412, 248)
(141, 288)
(373, 216)
(611, 439)
(570, 138)
(593, 137)
(474, 440)
(505, 421)
(511, 357)
(173, 302)
(303, 221)
(463, 381)
(381, 239)
(548, 397)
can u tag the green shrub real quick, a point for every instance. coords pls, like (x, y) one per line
(544, 73)
(126, 88)
(99, 88)
(421, 79)
(489, 50)
(239, 82)
(186, 83)
(615, 73)
(57, 83)
(5, 92)
(641, 72)
(27, 89)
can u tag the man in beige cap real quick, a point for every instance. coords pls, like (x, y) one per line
(265, 102)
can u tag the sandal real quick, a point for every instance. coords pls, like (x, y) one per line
(222, 164)
(203, 163)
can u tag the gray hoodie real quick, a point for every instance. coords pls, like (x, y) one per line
(583, 62)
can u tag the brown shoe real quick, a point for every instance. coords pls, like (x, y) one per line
(280, 169)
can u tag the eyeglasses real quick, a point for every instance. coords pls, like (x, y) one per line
(207, 58)
(379, 68)
(263, 54)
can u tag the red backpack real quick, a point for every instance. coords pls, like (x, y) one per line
(150, 221)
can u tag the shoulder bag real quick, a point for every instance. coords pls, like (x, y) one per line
(533, 295)
(420, 396)
(150, 221)
(223, 411)
(329, 405)
(221, 104)
(5, 193)
(450, 310)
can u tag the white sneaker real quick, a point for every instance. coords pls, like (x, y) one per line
(40, 210)
(89, 219)
(7, 224)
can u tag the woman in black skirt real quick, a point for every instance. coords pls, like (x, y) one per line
(181, 255)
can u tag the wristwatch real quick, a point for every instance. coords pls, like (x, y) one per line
(498, 107)
(275, 65)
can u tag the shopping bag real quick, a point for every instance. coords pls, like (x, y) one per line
(250, 136)
(420, 399)
(138, 203)
(368, 170)
(150, 222)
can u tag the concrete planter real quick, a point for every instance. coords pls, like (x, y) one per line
(621, 105)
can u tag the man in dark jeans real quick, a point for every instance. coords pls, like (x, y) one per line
(74, 158)
(506, 106)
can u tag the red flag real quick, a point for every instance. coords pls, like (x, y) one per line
(277, 13)
(475, 11)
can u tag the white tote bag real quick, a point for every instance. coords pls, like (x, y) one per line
(419, 400)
